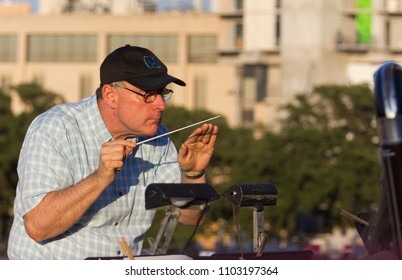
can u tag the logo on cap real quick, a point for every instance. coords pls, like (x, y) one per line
(151, 62)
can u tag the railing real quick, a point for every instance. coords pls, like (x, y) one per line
(351, 43)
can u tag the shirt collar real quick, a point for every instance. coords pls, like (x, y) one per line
(98, 126)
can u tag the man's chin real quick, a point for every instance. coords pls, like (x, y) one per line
(153, 132)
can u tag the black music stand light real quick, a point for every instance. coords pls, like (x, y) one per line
(172, 198)
(257, 196)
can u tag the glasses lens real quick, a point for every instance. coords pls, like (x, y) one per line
(166, 93)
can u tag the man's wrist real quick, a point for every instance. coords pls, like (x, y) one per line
(192, 175)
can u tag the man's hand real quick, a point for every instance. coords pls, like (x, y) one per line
(196, 152)
(112, 157)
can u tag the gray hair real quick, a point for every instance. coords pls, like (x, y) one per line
(99, 89)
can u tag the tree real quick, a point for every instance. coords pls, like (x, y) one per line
(326, 157)
(7, 162)
(12, 131)
(176, 117)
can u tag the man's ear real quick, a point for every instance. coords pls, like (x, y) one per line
(110, 95)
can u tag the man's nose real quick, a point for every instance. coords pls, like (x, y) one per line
(160, 102)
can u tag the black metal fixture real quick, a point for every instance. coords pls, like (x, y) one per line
(172, 198)
(257, 196)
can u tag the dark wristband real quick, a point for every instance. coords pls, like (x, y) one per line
(193, 176)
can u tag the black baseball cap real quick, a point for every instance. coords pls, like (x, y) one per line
(137, 66)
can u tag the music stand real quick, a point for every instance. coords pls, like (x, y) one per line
(172, 198)
(257, 196)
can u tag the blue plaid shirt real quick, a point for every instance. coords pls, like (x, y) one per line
(61, 148)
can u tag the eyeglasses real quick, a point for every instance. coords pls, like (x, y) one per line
(150, 96)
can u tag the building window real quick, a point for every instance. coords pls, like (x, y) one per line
(256, 75)
(200, 92)
(394, 34)
(62, 48)
(239, 35)
(163, 46)
(8, 48)
(387, 33)
(239, 5)
(254, 90)
(202, 48)
(278, 4)
(248, 117)
(85, 86)
(278, 30)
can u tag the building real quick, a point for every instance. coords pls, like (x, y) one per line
(240, 59)
(63, 52)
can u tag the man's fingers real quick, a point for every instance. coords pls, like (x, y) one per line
(201, 134)
(115, 152)
(213, 136)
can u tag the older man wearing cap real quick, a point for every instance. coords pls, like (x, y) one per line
(82, 177)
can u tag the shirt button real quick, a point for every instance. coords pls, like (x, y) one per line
(118, 252)
(116, 223)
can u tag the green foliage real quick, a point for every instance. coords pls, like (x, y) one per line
(325, 158)
(12, 132)
(328, 155)
(36, 99)
(8, 154)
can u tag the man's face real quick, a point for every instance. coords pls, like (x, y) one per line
(134, 116)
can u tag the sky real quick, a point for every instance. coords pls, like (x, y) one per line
(169, 3)
(34, 3)
(163, 4)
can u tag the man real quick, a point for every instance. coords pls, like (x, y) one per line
(82, 178)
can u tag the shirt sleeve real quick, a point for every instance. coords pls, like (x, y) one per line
(42, 167)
